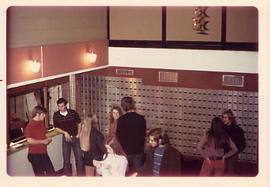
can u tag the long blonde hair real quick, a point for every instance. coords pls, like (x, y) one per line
(94, 120)
(90, 121)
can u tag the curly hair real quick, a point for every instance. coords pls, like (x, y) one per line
(118, 108)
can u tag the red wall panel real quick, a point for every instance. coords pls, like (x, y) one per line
(64, 58)
(57, 59)
(186, 79)
(17, 64)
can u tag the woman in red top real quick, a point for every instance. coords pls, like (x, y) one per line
(115, 113)
(35, 133)
(211, 147)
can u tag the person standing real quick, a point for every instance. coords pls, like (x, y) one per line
(92, 143)
(115, 113)
(131, 132)
(211, 147)
(67, 122)
(236, 133)
(161, 159)
(35, 133)
(114, 162)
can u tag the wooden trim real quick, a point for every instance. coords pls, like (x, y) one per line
(78, 94)
(45, 92)
(108, 23)
(39, 85)
(8, 119)
(236, 46)
(223, 24)
(136, 43)
(164, 24)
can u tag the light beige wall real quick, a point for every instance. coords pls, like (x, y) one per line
(180, 24)
(33, 26)
(242, 24)
(30, 26)
(135, 23)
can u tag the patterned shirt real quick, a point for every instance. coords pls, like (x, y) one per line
(68, 123)
(158, 154)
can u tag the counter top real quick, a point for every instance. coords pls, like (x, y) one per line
(22, 144)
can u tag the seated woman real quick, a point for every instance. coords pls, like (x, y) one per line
(211, 147)
(161, 159)
(115, 160)
(92, 143)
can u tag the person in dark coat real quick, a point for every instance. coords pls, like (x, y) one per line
(92, 143)
(131, 131)
(161, 159)
(236, 133)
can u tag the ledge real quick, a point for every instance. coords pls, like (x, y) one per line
(22, 144)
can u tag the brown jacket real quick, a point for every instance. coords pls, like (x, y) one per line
(112, 130)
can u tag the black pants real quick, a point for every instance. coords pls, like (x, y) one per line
(231, 164)
(41, 164)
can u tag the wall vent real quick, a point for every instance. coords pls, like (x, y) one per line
(167, 76)
(233, 80)
(124, 72)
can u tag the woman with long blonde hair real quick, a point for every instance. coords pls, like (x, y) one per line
(92, 143)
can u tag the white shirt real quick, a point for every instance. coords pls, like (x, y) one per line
(118, 165)
(64, 113)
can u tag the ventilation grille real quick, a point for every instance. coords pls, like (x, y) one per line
(124, 72)
(233, 80)
(168, 76)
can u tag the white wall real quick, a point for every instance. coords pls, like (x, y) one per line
(18, 164)
(185, 59)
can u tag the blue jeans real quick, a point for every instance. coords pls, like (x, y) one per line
(135, 162)
(41, 164)
(75, 145)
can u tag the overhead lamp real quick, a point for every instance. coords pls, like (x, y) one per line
(91, 57)
(34, 65)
